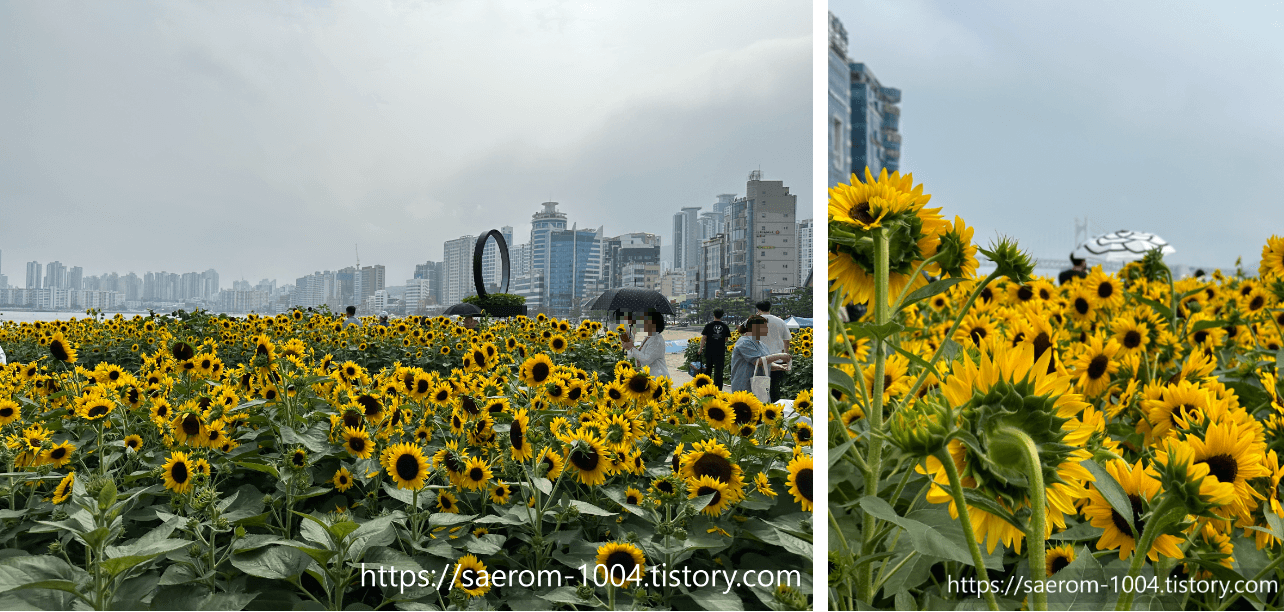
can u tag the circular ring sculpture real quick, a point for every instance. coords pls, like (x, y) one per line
(478, 282)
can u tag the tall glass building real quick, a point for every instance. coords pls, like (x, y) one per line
(864, 119)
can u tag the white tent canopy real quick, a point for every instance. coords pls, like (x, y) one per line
(1122, 245)
(796, 322)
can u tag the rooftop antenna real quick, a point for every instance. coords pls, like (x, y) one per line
(358, 252)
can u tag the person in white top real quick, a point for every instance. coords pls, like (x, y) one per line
(776, 341)
(3, 359)
(649, 354)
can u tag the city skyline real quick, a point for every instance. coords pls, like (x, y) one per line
(266, 141)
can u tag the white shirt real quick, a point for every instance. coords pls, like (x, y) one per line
(650, 355)
(3, 360)
(777, 338)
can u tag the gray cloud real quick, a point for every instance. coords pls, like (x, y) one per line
(1150, 116)
(266, 139)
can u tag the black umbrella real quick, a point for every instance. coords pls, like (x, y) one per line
(464, 310)
(633, 299)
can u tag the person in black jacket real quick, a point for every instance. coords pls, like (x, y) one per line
(1080, 269)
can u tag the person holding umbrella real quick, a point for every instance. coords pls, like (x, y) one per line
(649, 354)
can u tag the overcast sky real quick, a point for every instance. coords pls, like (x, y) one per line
(265, 139)
(1149, 116)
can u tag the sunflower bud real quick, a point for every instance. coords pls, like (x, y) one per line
(921, 429)
(584, 591)
(1010, 260)
(680, 535)
(956, 255)
(240, 531)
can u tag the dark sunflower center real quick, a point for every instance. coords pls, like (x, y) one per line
(1122, 524)
(548, 463)
(299, 459)
(1058, 563)
(516, 436)
(803, 482)
(978, 334)
(574, 393)
(476, 474)
(371, 405)
(665, 487)
(407, 467)
(586, 461)
(446, 504)
(179, 473)
(351, 419)
(632, 499)
(191, 425)
(98, 410)
(1081, 305)
(1224, 467)
(58, 350)
(1200, 336)
(716, 413)
(1132, 339)
(182, 351)
(638, 383)
(744, 413)
(712, 465)
(539, 372)
(1105, 290)
(58, 453)
(1025, 293)
(1041, 343)
(1257, 303)
(1097, 366)
(804, 435)
(860, 212)
(132, 443)
(620, 558)
(452, 463)
(717, 495)
(357, 445)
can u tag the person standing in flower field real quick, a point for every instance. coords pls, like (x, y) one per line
(1080, 270)
(776, 341)
(352, 317)
(748, 350)
(650, 354)
(713, 344)
(3, 359)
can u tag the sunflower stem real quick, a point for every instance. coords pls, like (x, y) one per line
(940, 350)
(1161, 518)
(874, 456)
(906, 289)
(1037, 546)
(965, 520)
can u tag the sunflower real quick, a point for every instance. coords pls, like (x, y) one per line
(1141, 488)
(96, 408)
(585, 453)
(500, 493)
(406, 464)
(1105, 289)
(442, 394)
(62, 492)
(420, 385)
(1082, 306)
(763, 485)
(557, 343)
(133, 442)
(1232, 457)
(551, 462)
(800, 476)
(299, 459)
(1059, 557)
(1095, 365)
(975, 328)
(58, 455)
(10, 411)
(1272, 258)
(1182, 401)
(342, 479)
(522, 449)
(61, 349)
(357, 442)
(536, 370)
(475, 475)
(633, 497)
(745, 407)
(471, 576)
(710, 458)
(178, 473)
(638, 384)
(1132, 336)
(629, 560)
(447, 503)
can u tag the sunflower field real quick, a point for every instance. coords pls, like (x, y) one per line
(212, 462)
(797, 379)
(1007, 443)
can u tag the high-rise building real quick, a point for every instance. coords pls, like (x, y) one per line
(75, 278)
(864, 119)
(687, 234)
(639, 250)
(430, 271)
(371, 279)
(763, 243)
(566, 265)
(33, 275)
(457, 270)
(55, 275)
(804, 249)
(840, 109)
